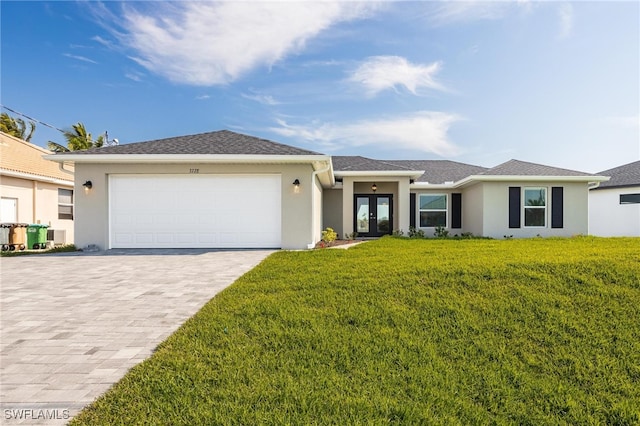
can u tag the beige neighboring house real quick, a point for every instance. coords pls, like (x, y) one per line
(35, 190)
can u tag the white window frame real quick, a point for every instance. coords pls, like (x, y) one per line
(446, 210)
(66, 204)
(545, 207)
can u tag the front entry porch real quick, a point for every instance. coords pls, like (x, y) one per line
(373, 206)
(373, 214)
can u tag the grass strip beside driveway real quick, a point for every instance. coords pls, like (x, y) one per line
(541, 331)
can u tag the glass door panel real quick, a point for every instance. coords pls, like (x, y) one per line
(362, 215)
(382, 208)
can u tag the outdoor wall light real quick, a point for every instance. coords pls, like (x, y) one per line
(87, 185)
(374, 187)
(296, 183)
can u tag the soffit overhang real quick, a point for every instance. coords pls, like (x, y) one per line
(320, 163)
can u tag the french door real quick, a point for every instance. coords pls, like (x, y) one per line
(373, 214)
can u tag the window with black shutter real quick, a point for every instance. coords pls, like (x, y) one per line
(514, 207)
(456, 211)
(557, 207)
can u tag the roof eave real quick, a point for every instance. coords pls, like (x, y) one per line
(39, 178)
(630, 185)
(527, 178)
(187, 158)
(412, 174)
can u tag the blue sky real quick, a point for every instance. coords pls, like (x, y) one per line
(551, 82)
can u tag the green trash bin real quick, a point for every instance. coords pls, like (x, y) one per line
(37, 236)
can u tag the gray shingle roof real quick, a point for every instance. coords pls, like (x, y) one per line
(223, 142)
(523, 168)
(625, 175)
(363, 164)
(441, 171)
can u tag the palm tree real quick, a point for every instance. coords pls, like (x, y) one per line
(16, 127)
(78, 139)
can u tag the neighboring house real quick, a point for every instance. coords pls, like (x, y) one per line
(33, 189)
(228, 190)
(614, 206)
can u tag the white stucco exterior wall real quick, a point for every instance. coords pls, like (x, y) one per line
(332, 211)
(92, 207)
(317, 212)
(473, 210)
(496, 210)
(609, 218)
(404, 205)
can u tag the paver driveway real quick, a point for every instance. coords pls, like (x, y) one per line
(72, 324)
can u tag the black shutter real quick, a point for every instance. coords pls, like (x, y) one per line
(456, 211)
(514, 207)
(557, 208)
(412, 210)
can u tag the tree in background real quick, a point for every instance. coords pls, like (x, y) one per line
(16, 127)
(78, 139)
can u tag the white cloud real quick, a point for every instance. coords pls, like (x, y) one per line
(449, 12)
(133, 75)
(565, 12)
(203, 97)
(379, 73)
(79, 58)
(106, 43)
(464, 11)
(260, 98)
(214, 43)
(424, 131)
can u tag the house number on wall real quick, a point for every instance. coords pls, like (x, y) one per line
(194, 171)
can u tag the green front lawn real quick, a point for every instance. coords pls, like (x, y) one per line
(541, 331)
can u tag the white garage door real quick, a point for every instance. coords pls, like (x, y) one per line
(195, 211)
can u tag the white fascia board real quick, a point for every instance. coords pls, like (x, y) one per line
(517, 178)
(372, 173)
(38, 178)
(427, 185)
(188, 158)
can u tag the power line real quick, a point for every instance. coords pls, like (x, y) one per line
(32, 119)
(106, 135)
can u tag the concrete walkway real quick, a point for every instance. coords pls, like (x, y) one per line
(72, 324)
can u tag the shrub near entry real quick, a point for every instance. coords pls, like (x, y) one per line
(329, 235)
(406, 331)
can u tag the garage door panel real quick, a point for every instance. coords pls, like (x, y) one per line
(164, 238)
(121, 238)
(144, 238)
(185, 211)
(207, 238)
